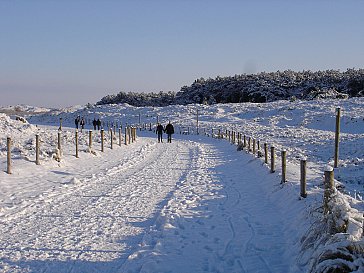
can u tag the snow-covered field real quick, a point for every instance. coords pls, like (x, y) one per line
(195, 205)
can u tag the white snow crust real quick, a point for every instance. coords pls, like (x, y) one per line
(193, 205)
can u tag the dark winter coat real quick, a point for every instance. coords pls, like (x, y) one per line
(160, 129)
(169, 129)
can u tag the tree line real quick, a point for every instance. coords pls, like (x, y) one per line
(261, 87)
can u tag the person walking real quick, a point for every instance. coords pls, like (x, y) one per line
(77, 121)
(82, 124)
(170, 131)
(94, 123)
(159, 132)
(98, 122)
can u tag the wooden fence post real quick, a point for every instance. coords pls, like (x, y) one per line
(129, 134)
(111, 138)
(253, 146)
(76, 140)
(102, 140)
(249, 140)
(362, 229)
(266, 153)
(90, 140)
(59, 146)
(119, 136)
(197, 125)
(126, 135)
(244, 143)
(60, 124)
(303, 164)
(272, 159)
(8, 144)
(337, 137)
(329, 188)
(284, 166)
(37, 149)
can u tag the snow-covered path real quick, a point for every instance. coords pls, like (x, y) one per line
(189, 206)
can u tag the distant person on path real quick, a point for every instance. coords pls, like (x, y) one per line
(159, 131)
(77, 121)
(170, 131)
(82, 123)
(94, 123)
(98, 124)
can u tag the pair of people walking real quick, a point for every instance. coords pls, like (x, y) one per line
(80, 121)
(169, 130)
(96, 123)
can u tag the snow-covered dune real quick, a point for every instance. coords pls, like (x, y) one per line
(196, 205)
(303, 128)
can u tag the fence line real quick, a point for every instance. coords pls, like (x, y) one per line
(131, 136)
(232, 136)
(250, 144)
(329, 182)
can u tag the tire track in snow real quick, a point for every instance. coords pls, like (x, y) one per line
(69, 188)
(216, 221)
(180, 207)
(231, 190)
(92, 227)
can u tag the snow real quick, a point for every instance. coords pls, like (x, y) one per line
(193, 205)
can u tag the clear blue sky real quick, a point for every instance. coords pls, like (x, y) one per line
(62, 53)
